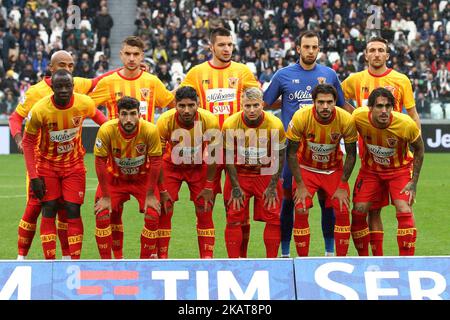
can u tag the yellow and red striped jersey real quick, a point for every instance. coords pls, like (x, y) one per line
(220, 89)
(59, 130)
(358, 87)
(146, 88)
(253, 147)
(387, 149)
(319, 148)
(127, 154)
(43, 88)
(186, 146)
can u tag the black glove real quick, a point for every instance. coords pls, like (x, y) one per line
(38, 187)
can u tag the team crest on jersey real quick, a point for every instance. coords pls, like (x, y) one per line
(392, 142)
(140, 148)
(52, 126)
(232, 82)
(335, 136)
(310, 136)
(145, 93)
(321, 80)
(76, 121)
(390, 88)
(205, 81)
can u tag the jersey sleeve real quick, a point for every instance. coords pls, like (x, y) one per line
(408, 96)
(190, 79)
(348, 88)
(340, 98)
(163, 96)
(412, 131)
(82, 85)
(249, 79)
(90, 107)
(213, 123)
(102, 142)
(25, 106)
(273, 90)
(34, 121)
(153, 142)
(350, 133)
(228, 140)
(295, 128)
(161, 125)
(100, 94)
(281, 135)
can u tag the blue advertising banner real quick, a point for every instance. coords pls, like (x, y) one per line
(25, 280)
(373, 278)
(216, 279)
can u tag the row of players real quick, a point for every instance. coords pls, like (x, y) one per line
(219, 84)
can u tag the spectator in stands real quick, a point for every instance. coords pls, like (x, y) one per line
(103, 23)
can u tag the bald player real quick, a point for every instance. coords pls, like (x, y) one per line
(27, 227)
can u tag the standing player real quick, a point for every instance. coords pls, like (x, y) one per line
(27, 227)
(256, 141)
(133, 82)
(386, 165)
(127, 161)
(294, 83)
(357, 87)
(219, 83)
(56, 168)
(182, 130)
(318, 130)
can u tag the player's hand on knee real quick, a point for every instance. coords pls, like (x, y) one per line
(270, 197)
(165, 200)
(237, 198)
(38, 187)
(300, 195)
(104, 203)
(342, 196)
(208, 197)
(410, 189)
(152, 202)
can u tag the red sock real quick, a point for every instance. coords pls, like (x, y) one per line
(75, 237)
(117, 232)
(164, 233)
(103, 234)
(406, 233)
(245, 239)
(61, 226)
(341, 232)
(360, 232)
(149, 235)
(27, 228)
(272, 238)
(233, 240)
(205, 232)
(376, 242)
(48, 237)
(301, 233)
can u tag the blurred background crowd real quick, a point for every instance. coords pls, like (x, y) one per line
(176, 38)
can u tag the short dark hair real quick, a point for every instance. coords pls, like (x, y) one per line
(307, 34)
(186, 92)
(60, 73)
(378, 39)
(127, 103)
(380, 92)
(133, 41)
(324, 88)
(220, 31)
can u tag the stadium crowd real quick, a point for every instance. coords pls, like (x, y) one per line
(176, 37)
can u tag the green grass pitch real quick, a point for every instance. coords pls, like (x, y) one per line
(432, 213)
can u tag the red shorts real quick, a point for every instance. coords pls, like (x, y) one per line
(195, 178)
(68, 185)
(327, 182)
(252, 186)
(120, 191)
(375, 187)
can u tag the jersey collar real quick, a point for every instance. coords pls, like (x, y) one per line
(219, 68)
(380, 75)
(129, 79)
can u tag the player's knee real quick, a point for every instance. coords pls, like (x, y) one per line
(362, 207)
(151, 216)
(49, 208)
(402, 206)
(73, 210)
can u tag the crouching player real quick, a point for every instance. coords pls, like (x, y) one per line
(319, 129)
(254, 142)
(127, 161)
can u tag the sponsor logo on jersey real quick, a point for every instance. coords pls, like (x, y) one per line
(130, 162)
(77, 121)
(380, 151)
(145, 93)
(221, 95)
(52, 125)
(223, 109)
(98, 143)
(118, 94)
(390, 88)
(321, 148)
(64, 135)
(205, 81)
(140, 148)
(320, 157)
(128, 171)
(64, 148)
